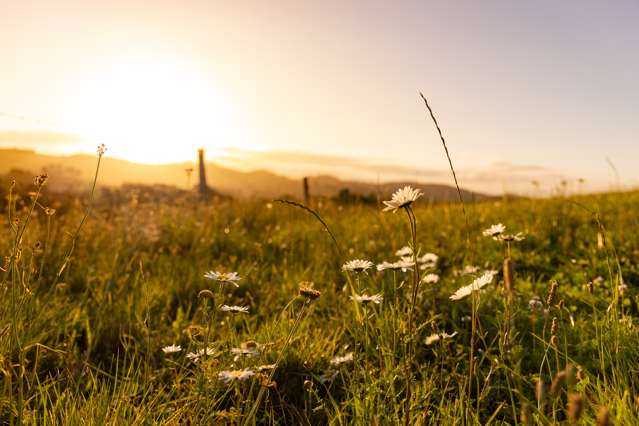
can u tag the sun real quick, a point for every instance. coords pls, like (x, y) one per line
(154, 112)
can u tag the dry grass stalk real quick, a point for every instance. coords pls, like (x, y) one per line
(450, 162)
(557, 383)
(554, 326)
(509, 284)
(571, 375)
(524, 414)
(551, 294)
(575, 407)
(540, 394)
(317, 216)
(306, 290)
(509, 287)
(603, 416)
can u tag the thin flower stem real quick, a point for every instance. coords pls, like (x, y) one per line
(408, 359)
(473, 329)
(318, 217)
(358, 314)
(211, 317)
(88, 211)
(260, 395)
(15, 343)
(45, 249)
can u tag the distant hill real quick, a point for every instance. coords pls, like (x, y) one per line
(74, 172)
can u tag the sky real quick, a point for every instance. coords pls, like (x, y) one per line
(540, 88)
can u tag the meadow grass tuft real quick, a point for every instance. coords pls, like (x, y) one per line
(183, 312)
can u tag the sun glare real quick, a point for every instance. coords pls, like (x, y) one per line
(153, 112)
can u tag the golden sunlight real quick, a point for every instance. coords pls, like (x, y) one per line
(153, 112)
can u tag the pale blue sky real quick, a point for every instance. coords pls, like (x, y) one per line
(543, 83)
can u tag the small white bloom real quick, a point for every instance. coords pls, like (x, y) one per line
(495, 231)
(480, 282)
(622, 288)
(265, 367)
(535, 304)
(439, 336)
(428, 258)
(235, 309)
(339, 360)
(385, 265)
(194, 356)
(357, 265)
(364, 298)
(430, 279)
(468, 270)
(404, 264)
(171, 349)
(404, 251)
(247, 348)
(223, 277)
(402, 198)
(515, 237)
(240, 375)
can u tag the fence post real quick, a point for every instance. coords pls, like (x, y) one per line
(307, 195)
(203, 188)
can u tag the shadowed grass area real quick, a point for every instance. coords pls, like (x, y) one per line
(87, 348)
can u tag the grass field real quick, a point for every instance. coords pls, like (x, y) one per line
(86, 312)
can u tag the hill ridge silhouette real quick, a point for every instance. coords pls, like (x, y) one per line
(73, 172)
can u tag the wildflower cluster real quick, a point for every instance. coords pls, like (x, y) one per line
(498, 233)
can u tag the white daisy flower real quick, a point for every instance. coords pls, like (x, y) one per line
(235, 309)
(223, 277)
(427, 261)
(231, 375)
(439, 336)
(535, 304)
(430, 279)
(364, 298)
(247, 348)
(494, 231)
(194, 356)
(357, 265)
(171, 349)
(515, 237)
(339, 360)
(402, 198)
(404, 264)
(404, 251)
(385, 265)
(428, 258)
(265, 367)
(480, 282)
